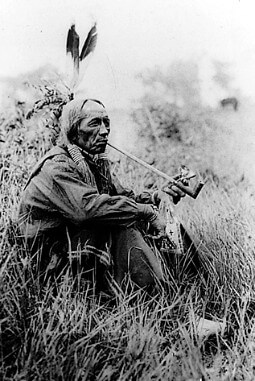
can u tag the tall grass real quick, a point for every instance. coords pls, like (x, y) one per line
(73, 333)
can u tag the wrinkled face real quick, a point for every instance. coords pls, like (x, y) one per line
(92, 135)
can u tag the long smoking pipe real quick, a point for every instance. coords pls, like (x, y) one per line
(192, 192)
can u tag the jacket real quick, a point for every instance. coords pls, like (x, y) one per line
(59, 194)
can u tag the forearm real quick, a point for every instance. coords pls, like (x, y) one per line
(144, 198)
(110, 210)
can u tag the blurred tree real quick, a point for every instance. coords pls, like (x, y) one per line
(169, 95)
(178, 84)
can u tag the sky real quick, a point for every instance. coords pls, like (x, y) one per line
(132, 35)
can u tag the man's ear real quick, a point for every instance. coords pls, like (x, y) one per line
(75, 139)
(74, 135)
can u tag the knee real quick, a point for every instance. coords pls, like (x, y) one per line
(139, 268)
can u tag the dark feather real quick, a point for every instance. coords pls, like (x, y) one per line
(72, 46)
(90, 43)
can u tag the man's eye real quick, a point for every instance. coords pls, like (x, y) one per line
(98, 123)
(106, 122)
(94, 123)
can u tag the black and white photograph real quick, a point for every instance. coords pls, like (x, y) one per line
(127, 168)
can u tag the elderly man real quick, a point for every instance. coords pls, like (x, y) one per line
(73, 210)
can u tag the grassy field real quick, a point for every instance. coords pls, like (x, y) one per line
(74, 334)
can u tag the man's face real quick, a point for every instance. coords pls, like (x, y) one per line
(94, 129)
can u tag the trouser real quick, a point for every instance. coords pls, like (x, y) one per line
(121, 252)
(124, 252)
(128, 255)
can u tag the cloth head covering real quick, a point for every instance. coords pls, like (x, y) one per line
(72, 114)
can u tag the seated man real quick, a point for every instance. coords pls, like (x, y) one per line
(72, 208)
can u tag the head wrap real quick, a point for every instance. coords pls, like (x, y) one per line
(72, 114)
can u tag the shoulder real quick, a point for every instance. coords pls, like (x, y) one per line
(55, 152)
(58, 157)
(50, 161)
(54, 156)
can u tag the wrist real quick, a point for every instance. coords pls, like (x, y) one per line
(146, 212)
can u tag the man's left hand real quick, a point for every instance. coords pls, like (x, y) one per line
(158, 226)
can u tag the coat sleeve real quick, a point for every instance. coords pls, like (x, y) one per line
(143, 198)
(65, 193)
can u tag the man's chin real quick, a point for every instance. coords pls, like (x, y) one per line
(99, 149)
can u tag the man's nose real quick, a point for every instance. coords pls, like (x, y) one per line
(103, 129)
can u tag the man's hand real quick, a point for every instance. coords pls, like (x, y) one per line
(158, 226)
(148, 214)
(175, 192)
(172, 190)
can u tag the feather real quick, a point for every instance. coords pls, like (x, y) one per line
(74, 75)
(90, 43)
(72, 47)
